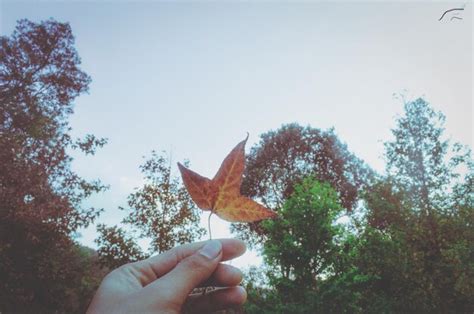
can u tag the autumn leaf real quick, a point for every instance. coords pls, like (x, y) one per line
(221, 195)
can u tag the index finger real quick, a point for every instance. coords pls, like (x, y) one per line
(157, 266)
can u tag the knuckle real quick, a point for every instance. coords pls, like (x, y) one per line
(119, 271)
(123, 268)
(196, 262)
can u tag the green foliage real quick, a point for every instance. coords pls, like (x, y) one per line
(416, 240)
(301, 242)
(258, 291)
(410, 246)
(428, 230)
(300, 247)
(424, 265)
(286, 156)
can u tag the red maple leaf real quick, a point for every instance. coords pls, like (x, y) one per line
(221, 195)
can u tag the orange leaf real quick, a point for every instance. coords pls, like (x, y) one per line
(221, 195)
(229, 176)
(243, 209)
(198, 187)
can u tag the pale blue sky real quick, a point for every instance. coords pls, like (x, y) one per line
(193, 78)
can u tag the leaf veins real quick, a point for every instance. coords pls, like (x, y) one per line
(221, 195)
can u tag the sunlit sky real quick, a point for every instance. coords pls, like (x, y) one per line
(192, 78)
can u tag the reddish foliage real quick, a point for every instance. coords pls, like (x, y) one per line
(221, 195)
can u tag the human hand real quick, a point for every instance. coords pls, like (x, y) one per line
(162, 283)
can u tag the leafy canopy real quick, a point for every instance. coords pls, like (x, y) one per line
(40, 196)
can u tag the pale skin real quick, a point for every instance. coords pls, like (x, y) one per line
(163, 283)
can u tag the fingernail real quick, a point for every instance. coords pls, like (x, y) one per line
(212, 249)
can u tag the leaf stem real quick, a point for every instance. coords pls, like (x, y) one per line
(209, 225)
(210, 238)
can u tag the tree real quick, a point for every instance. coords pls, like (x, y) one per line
(417, 157)
(40, 195)
(420, 263)
(259, 292)
(406, 251)
(116, 248)
(417, 241)
(300, 247)
(161, 211)
(285, 156)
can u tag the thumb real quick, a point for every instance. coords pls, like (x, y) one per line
(175, 286)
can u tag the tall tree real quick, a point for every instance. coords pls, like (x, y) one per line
(40, 196)
(421, 219)
(285, 156)
(160, 211)
(417, 157)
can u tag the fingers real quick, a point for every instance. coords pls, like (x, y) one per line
(173, 288)
(155, 267)
(224, 276)
(216, 300)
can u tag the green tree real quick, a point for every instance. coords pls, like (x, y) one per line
(421, 263)
(285, 156)
(259, 292)
(40, 196)
(418, 238)
(300, 247)
(409, 249)
(160, 211)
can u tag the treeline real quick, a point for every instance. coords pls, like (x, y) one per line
(405, 244)
(347, 239)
